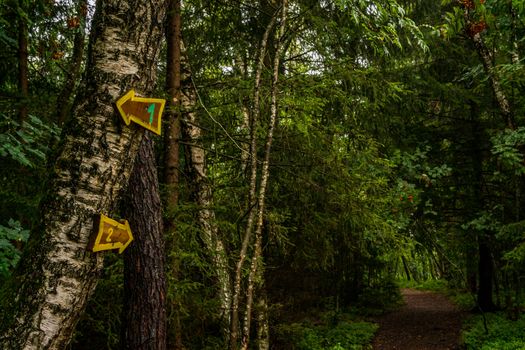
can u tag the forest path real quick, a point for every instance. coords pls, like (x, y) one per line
(426, 321)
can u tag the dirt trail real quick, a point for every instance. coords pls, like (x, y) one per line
(427, 321)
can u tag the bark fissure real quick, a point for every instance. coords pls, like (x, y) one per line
(49, 290)
(144, 276)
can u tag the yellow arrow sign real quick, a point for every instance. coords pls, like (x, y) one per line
(143, 111)
(111, 234)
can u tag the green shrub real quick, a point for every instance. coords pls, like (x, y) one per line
(10, 236)
(354, 335)
(377, 299)
(461, 298)
(433, 285)
(465, 301)
(503, 334)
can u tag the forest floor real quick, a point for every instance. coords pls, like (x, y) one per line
(427, 321)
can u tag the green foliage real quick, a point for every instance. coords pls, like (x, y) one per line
(191, 295)
(11, 238)
(433, 285)
(506, 146)
(99, 327)
(343, 335)
(503, 334)
(512, 240)
(23, 151)
(377, 299)
(462, 299)
(26, 144)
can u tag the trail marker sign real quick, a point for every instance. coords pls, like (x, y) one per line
(144, 111)
(111, 234)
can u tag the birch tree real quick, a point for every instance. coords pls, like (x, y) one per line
(49, 290)
(201, 189)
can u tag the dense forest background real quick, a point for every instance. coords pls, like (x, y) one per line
(315, 155)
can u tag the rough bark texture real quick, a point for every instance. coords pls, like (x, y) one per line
(144, 326)
(172, 118)
(48, 292)
(73, 72)
(201, 188)
(172, 161)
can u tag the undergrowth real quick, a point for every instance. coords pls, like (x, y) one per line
(460, 297)
(503, 334)
(342, 333)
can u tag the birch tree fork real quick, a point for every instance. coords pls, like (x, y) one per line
(49, 290)
(256, 275)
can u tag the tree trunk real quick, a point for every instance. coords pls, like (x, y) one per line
(405, 266)
(485, 270)
(488, 65)
(485, 302)
(23, 72)
(255, 115)
(470, 257)
(73, 69)
(256, 276)
(263, 327)
(144, 326)
(171, 161)
(201, 190)
(501, 98)
(43, 301)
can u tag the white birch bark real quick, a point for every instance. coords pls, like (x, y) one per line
(234, 327)
(500, 95)
(49, 291)
(256, 275)
(488, 65)
(202, 191)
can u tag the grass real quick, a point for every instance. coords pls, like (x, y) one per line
(461, 298)
(334, 332)
(503, 334)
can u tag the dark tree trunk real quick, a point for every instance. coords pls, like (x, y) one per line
(23, 79)
(172, 161)
(171, 174)
(73, 69)
(485, 271)
(472, 281)
(144, 326)
(44, 299)
(485, 302)
(405, 266)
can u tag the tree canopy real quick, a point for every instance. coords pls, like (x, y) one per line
(318, 152)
